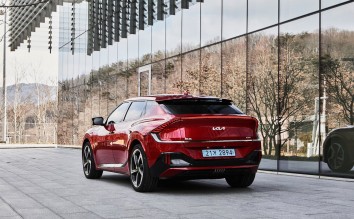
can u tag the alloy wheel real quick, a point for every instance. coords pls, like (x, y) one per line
(86, 161)
(137, 168)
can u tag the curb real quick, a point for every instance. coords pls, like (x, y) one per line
(25, 146)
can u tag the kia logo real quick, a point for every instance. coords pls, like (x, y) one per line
(218, 128)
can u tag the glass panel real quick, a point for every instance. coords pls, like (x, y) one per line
(80, 42)
(104, 54)
(145, 46)
(327, 3)
(113, 54)
(293, 8)
(76, 67)
(262, 13)
(70, 66)
(123, 54)
(337, 64)
(121, 87)
(234, 18)
(81, 62)
(132, 81)
(158, 79)
(133, 48)
(173, 34)
(190, 73)
(298, 96)
(95, 60)
(103, 81)
(210, 73)
(109, 92)
(88, 86)
(234, 71)
(78, 116)
(95, 87)
(191, 27)
(211, 22)
(262, 91)
(158, 40)
(173, 75)
(133, 65)
(144, 83)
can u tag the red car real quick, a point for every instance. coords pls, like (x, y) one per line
(174, 136)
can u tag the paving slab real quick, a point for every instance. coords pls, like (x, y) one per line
(49, 183)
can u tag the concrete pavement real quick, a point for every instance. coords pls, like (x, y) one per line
(49, 183)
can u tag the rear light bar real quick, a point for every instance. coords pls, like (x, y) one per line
(166, 124)
(156, 137)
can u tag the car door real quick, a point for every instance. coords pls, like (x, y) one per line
(122, 132)
(115, 118)
(103, 153)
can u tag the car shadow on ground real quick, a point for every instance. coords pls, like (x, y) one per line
(199, 187)
(171, 186)
(115, 178)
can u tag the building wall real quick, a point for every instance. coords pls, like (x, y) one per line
(262, 54)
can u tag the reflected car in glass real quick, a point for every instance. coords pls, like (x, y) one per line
(338, 149)
(174, 137)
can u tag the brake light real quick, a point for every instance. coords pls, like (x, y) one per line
(165, 125)
(167, 132)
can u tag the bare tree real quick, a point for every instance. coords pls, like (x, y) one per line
(17, 106)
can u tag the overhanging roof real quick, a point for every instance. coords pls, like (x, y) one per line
(108, 20)
(24, 20)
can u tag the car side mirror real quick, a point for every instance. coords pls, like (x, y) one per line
(97, 121)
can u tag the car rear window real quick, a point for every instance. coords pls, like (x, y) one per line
(196, 106)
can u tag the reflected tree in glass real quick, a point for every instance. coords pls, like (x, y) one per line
(337, 68)
(234, 71)
(298, 91)
(263, 87)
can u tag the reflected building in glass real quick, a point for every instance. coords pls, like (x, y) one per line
(290, 66)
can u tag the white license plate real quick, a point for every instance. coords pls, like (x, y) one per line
(219, 153)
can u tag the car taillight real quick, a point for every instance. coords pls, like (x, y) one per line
(165, 125)
(169, 131)
(170, 134)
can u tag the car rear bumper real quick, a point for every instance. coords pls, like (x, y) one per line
(166, 167)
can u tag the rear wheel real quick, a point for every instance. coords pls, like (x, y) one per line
(338, 159)
(88, 163)
(140, 176)
(240, 181)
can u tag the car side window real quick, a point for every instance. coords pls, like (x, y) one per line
(118, 114)
(135, 111)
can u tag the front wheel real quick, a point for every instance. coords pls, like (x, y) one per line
(240, 181)
(338, 157)
(88, 163)
(140, 176)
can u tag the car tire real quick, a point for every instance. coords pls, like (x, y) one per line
(338, 159)
(88, 163)
(240, 181)
(140, 175)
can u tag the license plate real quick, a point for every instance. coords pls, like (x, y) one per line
(219, 153)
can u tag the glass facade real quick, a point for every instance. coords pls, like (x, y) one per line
(288, 63)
